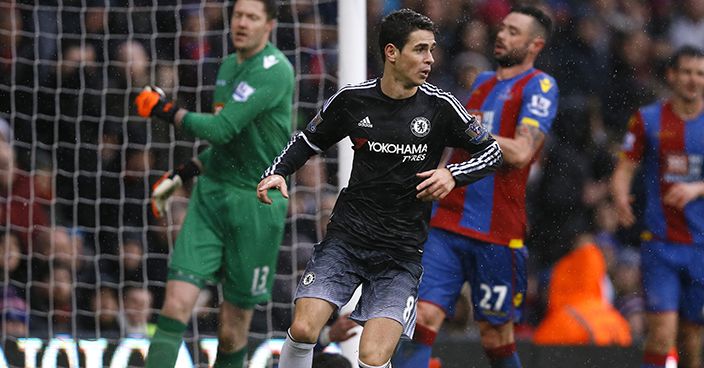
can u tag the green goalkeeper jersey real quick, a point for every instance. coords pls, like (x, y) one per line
(252, 119)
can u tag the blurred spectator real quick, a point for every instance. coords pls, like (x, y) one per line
(13, 313)
(77, 80)
(629, 296)
(51, 301)
(128, 73)
(578, 312)
(466, 67)
(19, 207)
(631, 83)
(62, 247)
(194, 69)
(582, 55)
(473, 36)
(137, 311)
(314, 84)
(687, 27)
(105, 313)
(10, 255)
(16, 55)
(556, 206)
(132, 256)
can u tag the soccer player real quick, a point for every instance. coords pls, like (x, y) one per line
(477, 232)
(399, 126)
(228, 236)
(668, 138)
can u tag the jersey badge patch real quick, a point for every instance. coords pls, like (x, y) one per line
(269, 61)
(313, 124)
(545, 85)
(476, 131)
(420, 126)
(242, 92)
(308, 279)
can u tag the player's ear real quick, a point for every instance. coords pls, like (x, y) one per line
(270, 25)
(391, 52)
(537, 44)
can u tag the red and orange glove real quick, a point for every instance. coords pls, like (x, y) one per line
(169, 183)
(152, 102)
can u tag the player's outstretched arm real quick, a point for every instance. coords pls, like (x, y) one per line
(153, 103)
(271, 182)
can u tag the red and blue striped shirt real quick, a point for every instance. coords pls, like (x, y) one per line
(493, 209)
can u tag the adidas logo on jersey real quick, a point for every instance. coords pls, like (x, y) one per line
(365, 123)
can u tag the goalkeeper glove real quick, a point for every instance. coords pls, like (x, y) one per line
(152, 102)
(168, 184)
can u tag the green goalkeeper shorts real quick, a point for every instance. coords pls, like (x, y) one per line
(228, 236)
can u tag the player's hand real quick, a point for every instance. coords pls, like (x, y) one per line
(622, 204)
(162, 190)
(271, 182)
(152, 102)
(680, 194)
(438, 184)
(342, 329)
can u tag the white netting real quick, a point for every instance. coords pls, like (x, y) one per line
(76, 203)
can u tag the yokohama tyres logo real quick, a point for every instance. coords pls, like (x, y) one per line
(397, 149)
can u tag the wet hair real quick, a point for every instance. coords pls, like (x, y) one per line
(397, 26)
(542, 20)
(684, 52)
(271, 8)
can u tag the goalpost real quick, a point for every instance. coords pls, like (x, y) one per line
(87, 240)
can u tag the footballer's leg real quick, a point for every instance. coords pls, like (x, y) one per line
(690, 344)
(416, 352)
(310, 316)
(195, 259)
(179, 301)
(443, 277)
(253, 232)
(379, 339)
(498, 297)
(663, 292)
(233, 329)
(329, 280)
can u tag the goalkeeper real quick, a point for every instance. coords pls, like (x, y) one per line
(227, 236)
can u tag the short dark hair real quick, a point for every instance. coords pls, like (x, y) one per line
(544, 23)
(328, 360)
(271, 7)
(683, 52)
(397, 26)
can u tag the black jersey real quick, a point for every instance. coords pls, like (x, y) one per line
(393, 140)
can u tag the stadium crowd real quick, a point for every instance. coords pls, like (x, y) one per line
(80, 251)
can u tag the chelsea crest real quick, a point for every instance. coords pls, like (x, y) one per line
(420, 126)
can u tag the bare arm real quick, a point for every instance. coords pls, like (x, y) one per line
(621, 190)
(519, 150)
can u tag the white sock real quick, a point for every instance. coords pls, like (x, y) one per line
(385, 365)
(296, 354)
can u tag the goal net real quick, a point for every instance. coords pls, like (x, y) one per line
(82, 259)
